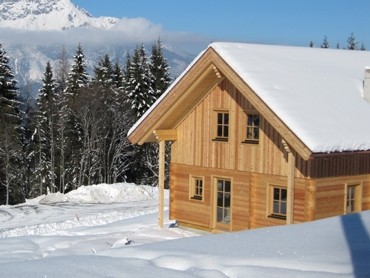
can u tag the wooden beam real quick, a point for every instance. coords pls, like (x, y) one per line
(162, 145)
(290, 184)
(165, 135)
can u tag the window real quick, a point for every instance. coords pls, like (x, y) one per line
(353, 203)
(223, 201)
(278, 203)
(253, 128)
(222, 131)
(196, 188)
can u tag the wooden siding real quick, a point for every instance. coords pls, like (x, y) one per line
(339, 165)
(249, 198)
(253, 168)
(195, 145)
(330, 195)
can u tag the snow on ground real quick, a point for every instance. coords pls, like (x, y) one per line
(84, 234)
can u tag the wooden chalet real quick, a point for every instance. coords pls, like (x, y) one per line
(264, 135)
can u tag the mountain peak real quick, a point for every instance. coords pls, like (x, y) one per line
(48, 15)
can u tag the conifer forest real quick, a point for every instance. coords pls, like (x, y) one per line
(75, 132)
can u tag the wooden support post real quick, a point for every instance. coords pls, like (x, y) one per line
(290, 184)
(161, 175)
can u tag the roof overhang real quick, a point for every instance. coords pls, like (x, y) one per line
(207, 71)
(178, 101)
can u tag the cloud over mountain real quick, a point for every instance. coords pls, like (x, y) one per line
(35, 31)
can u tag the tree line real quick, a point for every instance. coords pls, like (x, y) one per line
(76, 134)
(352, 43)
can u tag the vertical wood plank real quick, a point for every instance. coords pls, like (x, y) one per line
(161, 183)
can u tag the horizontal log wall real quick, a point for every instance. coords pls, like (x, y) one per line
(249, 198)
(330, 195)
(201, 213)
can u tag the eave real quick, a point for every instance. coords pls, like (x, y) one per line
(179, 101)
(208, 71)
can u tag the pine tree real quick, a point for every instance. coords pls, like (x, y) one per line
(10, 136)
(138, 87)
(47, 119)
(78, 76)
(352, 42)
(118, 77)
(325, 43)
(78, 79)
(28, 155)
(62, 70)
(146, 81)
(104, 72)
(159, 70)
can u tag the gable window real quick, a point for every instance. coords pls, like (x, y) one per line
(222, 126)
(196, 188)
(353, 200)
(253, 128)
(278, 202)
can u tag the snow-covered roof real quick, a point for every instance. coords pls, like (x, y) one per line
(317, 93)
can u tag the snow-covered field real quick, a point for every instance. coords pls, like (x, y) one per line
(84, 234)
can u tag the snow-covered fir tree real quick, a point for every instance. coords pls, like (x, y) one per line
(10, 135)
(62, 70)
(146, 79)
(352, 42)
(325, 43)
(159, 70)
(28, 116)
(118, 77)
(77, 80)
(138, 88)
(46, 133)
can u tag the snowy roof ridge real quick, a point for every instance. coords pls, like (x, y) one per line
(317, 93)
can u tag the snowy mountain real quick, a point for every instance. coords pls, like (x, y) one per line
(48, 15)
(36, 31)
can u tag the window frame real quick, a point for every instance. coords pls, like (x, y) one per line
(224, 135)
(194, 187)
(223, 224)
(356, 199)
(252, 139)
(271, 202)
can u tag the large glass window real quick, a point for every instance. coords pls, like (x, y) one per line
(223, 201)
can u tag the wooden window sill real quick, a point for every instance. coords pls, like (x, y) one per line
(251, 142)
(197, 198)
(220, 140)
(276, 216)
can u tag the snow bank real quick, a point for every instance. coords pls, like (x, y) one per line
(101, 194)
(89, 240)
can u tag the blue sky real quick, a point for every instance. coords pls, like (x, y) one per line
(289, 22)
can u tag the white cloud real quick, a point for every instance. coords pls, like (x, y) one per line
(128, 31)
